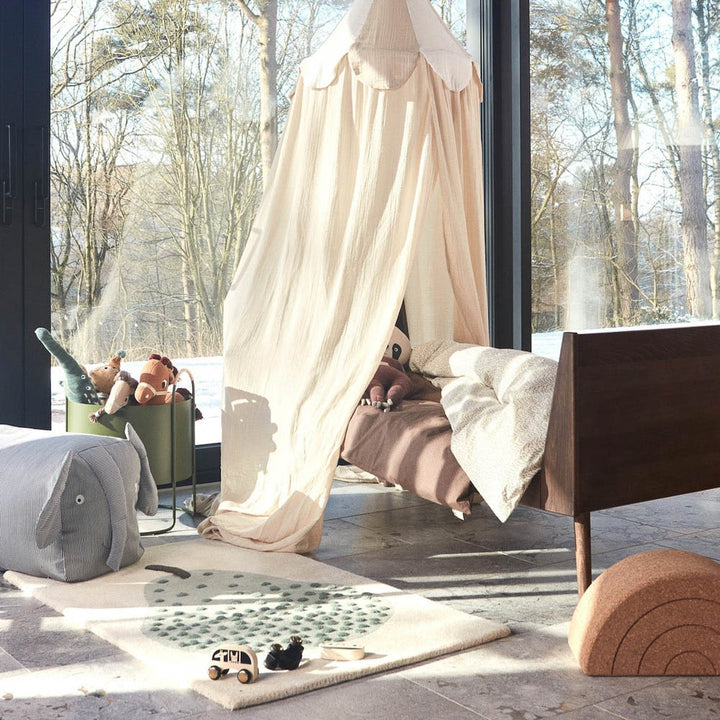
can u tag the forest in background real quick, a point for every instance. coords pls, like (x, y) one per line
(165, 117)
(625, 162)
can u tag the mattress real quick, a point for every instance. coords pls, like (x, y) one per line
(410, 447)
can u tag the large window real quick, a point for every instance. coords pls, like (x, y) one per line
(165, 118)
(625, 177)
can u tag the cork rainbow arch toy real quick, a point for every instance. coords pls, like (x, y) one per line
(654, 613)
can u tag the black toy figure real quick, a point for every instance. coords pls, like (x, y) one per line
(287, 658)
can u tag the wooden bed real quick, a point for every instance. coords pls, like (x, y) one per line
(635, 417)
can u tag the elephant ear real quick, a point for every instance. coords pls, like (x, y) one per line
(147, 499)
(49, 524)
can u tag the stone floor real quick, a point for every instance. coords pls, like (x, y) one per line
(520, 573)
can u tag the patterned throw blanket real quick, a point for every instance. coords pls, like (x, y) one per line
(498, 404)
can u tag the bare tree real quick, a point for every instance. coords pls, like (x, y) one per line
(705, 29)
(91, 123)
(159, 158)
(625, 162)
(689, 141)
(202, 193)
(265, 18)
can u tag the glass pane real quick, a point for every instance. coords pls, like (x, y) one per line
(159, 148)
(625, 164)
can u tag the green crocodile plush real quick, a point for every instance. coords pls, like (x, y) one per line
(78, 386)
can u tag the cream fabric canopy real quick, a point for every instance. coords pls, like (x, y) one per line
(375, 196)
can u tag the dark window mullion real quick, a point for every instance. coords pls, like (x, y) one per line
(24, 238)
(36, 233)
(498, 38)
(12, 406)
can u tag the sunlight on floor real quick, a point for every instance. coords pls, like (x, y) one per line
(84, 679)
(491, 553)
(552, 574)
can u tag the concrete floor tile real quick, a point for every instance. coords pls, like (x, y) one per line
(8, 663)
(380, 697)
(40, 638)
(350, 499)
(446, 566)
(543, 538)
(10, 597)
(683, 513)
(496, 586)
(400, 514)
(528, 676)
(673, 699)
(341, 538)
(590, 712)
(531, 536)
(705, 543)
(602, 561)
(422, 524)
(117, 688)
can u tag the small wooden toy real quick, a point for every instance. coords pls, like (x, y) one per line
(234, 657)
(288, 658)
(342, 652)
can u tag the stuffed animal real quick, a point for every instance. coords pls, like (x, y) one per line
(156, 376)
(288, 658)
(121, 392)
(68, 501)
(103, 376)
(390, 384)
(78, 386)
(398, 347)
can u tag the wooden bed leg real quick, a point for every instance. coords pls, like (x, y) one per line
(583, 562)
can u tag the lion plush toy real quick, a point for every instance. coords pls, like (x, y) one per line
(390, 384)
(103, 376)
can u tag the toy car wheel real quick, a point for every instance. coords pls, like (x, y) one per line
(244, 676)
(214, 672)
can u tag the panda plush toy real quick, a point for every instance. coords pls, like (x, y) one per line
(390, 384)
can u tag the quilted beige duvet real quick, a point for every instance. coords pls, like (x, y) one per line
(498, 405)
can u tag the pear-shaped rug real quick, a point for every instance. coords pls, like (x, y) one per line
(181, 600)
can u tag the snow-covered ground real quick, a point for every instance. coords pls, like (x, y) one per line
(207, 373)
(208, 386)
(547, 344)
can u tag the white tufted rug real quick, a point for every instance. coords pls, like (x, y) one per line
(254, 598)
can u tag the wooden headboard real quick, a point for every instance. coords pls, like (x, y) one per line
(635, 417)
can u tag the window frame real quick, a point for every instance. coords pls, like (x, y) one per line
(498, 38)
(25, 230)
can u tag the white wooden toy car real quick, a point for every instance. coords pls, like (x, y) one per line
(234, 657)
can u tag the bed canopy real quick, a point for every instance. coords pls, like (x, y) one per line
(375, 196)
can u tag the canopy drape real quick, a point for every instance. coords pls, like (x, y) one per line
(378, 159)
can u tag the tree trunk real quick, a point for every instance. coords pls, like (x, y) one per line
(622, 200)
(690, 136)
(267, 37)
(712, 143)
(188, 312)
(555, 262)
(266, 21)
